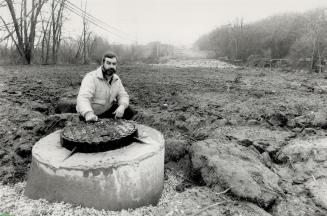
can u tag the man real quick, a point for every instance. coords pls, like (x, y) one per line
(102, 93)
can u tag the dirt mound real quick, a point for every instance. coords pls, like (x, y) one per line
(318, 190)
(237, 167)
(263, 139)
(306, 158)
(296, 206)
(310, 119)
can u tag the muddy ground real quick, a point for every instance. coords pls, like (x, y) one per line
(203, 112)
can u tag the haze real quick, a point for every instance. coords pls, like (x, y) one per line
(178, 22)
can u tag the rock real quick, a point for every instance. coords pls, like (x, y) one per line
(67, 102)
(312, 119)
(6, 174)
(267, 160)
(193, 122)
(320, 119)
(318, 191)
(15, 93)
(237, 167)
(24, 150)
(297, 206)
(309, 131)
(175, 149)
(31, 124)
(294, 85)
(2, 153)
(164, 106)
(301, 121)
(261, 138)
(299, 150)
(6, 159)
(181, 125)
(252, 122)
(258, 93)
(278, 119)
(39, 107)
(183, 186)
(200, 134)
(320, 89)
(306, 157)
(182, 167)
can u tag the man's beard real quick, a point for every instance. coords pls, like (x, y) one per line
(109, 72)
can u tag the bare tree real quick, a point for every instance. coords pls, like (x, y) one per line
(52, 32)
(237, 29)
(84, 42)
(317, 25)
(85, 28)
(57, 22)
(45, 44)
(24, 27)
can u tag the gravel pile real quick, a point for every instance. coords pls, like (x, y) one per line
(13, 201)
(207, 63)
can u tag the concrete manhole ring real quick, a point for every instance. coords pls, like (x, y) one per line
(103, 135)
(128, 177)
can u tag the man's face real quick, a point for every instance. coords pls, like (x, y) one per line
(109, 66)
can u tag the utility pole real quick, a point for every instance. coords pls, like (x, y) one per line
(84, 33)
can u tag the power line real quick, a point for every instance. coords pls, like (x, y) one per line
(97, 24)
(96, 19)
(81, 14)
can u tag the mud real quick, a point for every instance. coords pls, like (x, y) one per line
(262, 110)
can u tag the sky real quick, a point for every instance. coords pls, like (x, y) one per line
(178, 22)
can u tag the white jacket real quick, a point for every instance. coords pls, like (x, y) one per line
(97, 95)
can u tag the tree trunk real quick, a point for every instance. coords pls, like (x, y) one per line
(19, 44)
(25, 39)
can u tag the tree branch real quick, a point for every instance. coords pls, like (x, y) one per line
(12, 37)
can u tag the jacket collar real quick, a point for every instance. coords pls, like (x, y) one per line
(99, 74)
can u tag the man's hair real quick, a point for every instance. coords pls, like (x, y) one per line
(109, 55)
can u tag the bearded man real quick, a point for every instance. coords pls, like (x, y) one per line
(102, 94)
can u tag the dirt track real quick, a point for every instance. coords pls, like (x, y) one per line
(187, 104)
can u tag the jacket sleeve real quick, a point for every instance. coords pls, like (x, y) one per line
(123, 98)
(85, 96)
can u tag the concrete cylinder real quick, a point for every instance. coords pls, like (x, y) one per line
(129, 177)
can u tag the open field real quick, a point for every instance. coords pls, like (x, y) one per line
(187, 104)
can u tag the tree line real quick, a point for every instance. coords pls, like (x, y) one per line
(33, 33)
(295, 36)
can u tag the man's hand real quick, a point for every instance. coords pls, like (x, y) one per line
(119, 111)
(90, 117)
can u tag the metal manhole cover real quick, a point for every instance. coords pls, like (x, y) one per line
(104, 135)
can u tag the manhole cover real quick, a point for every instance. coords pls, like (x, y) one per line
(104, 135)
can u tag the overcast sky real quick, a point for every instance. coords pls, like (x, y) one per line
(177, 21)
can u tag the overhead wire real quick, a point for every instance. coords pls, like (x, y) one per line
(96, 19)
(97, 22)
(81, 14)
